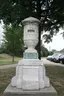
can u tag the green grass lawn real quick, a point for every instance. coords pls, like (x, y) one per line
(7, 61)
(55, 73)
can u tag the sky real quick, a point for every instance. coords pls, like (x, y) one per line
(57, 42)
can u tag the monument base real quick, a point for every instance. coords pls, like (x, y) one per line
(13, 91)
(30, 75)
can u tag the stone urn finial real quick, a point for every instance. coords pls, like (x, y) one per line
(31, 28)
(30, 20)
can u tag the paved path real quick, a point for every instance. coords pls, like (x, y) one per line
(44, 60)
(8, 66)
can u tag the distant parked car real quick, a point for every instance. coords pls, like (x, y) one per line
(61, 59)
(54, 57)
(49, 57)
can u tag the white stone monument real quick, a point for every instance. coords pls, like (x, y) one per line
(30, 71)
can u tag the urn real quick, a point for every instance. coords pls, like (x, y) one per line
(31, 29)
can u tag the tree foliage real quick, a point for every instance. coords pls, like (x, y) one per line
(2, 48)
(49, 12)
(13, 40)
(44, 51)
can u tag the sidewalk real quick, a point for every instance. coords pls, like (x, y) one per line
(44, 60)
(8, 66)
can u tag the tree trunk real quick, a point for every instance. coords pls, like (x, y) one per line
(39, 43)
(39, 38)
(13, 58)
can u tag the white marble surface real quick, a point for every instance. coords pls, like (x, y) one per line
(30, 33)
(30, 73)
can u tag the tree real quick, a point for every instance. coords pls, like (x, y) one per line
(2, 48)
(44, 51)
(13, 40)
(49, 12)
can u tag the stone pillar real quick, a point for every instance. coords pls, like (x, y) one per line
(30, 72)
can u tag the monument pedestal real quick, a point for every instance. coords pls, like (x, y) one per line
(13, 91)
(30, 75)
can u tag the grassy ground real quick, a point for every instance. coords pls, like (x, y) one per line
(55, 73)
(5, 61)
(5, 77)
